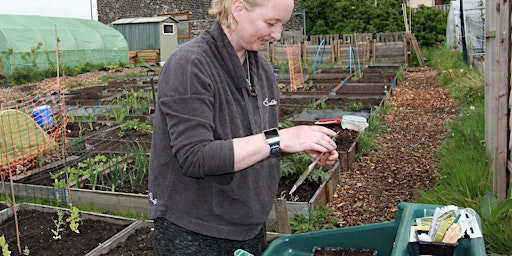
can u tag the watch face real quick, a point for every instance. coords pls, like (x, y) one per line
(273, 140)
(271, 133)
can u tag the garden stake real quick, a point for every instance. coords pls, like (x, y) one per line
(306, 173)
(151, 74)
(324, 122)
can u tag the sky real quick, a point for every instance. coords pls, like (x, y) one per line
(55, 8)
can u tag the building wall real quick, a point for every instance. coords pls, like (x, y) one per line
(417, 3)
(112, 10)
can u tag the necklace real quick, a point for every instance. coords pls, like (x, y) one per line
(251, 88)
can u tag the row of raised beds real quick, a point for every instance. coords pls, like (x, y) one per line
(104, 157)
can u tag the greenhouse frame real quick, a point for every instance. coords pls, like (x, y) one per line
(30, 42)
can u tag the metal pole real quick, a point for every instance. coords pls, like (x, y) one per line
(304, 20)
(90, 4)
(303, 13)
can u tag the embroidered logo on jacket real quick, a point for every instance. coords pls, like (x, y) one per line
(268, 103)
(154, 201)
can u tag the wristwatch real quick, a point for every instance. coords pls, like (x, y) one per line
(273, 140)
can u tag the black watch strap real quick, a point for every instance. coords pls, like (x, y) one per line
(273, 140)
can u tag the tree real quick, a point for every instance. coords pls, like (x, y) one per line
(353, 16)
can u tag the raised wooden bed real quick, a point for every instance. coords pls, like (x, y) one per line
(37, 236)
(138, 203)
(323, 195)
(347, 157)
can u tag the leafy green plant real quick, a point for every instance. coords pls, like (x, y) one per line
(90, 119)
(112, 67)
(74, 219)
(116, 175)
(323, 105)
(119, 114)
(357, 76)
(296, 164)
(26, 251)
(76, 173)
(4, 246)
(134, 102)
(353, 106)
(59, 183)
(134, 124)
(139, 168)
(59, 223)
(321, 218)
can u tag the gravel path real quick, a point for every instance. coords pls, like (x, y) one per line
(405, 159)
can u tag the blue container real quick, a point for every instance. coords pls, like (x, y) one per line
(43, 116)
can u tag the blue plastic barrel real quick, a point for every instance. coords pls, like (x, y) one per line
(43, 116)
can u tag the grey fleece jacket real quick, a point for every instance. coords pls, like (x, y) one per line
(201, 108)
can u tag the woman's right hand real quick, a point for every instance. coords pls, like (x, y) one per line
(312, 139)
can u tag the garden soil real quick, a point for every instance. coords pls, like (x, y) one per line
(404, 160)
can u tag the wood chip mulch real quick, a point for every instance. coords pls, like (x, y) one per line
(405, 159)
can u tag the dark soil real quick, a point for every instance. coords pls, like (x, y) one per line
(139, 243)
(82, 129)
(321, 251)
(35, 233)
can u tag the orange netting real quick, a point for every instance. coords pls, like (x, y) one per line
(31, 127)
(295, 67)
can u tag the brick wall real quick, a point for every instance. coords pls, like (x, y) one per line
(112, 10)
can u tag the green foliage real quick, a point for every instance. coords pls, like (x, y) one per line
(26, 251)
(429, 26)
(134, 124)
(353, 16)
(4, 246)
(31, 72)
(321, 218)
(139, 168)
(74, 219)
(497, 221)
(353, 106)
(294, 163)
(376, 127)
(59, 222)
(134, 102)
(297, 164)
(465, 180)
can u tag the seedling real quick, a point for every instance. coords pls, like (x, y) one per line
(4, 246)
(59, 222)
(74, 219)
(26, 251)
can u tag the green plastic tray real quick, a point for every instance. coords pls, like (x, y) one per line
(387, 238)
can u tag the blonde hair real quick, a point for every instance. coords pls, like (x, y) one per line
(222, 10)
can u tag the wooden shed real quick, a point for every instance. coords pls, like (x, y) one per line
(152, 39)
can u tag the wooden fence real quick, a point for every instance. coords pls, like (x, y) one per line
(385, 48)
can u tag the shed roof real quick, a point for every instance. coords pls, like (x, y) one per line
(156, 19)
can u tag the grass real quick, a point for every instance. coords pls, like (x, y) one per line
(376, 128)
(464, 167)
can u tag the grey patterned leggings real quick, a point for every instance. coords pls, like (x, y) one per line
(171, 239)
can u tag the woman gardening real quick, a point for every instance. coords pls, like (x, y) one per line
(214, 166)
